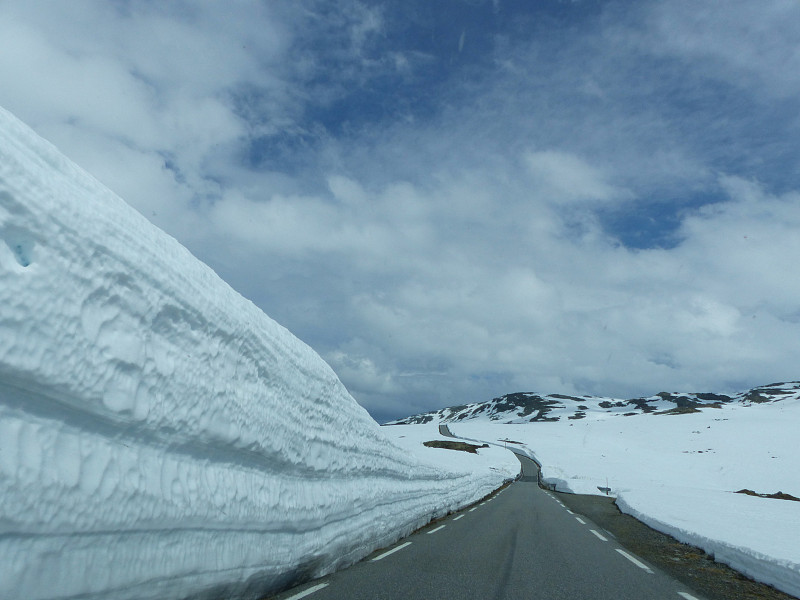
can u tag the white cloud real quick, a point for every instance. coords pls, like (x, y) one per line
(452, 257)
(565, 177)
(748, 246)
(743, 43)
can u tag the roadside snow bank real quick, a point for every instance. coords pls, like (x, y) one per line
(729, 526)
(161, 437)
(494, 458)
(677, 473)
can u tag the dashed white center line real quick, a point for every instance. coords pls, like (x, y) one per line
(635, 560)
(687, 596)
(458, 517)
(599, 535)
(474, 508)
(392, 551)
(437, 529)
(570, 512)
(308, 592)
(581, 521)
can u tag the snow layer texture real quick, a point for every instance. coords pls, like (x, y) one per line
(679, 473)
(160, 437)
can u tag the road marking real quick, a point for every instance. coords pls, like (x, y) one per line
(599, 535)
(308, 592)
(471, 509)
(635, 560)
(687, 596)
(458, 517)
(570, 512)
(581, 521)
(392, 551)
(435, 530)
(482, 503)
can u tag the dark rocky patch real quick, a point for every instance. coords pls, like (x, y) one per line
(563, 397)
(642, 405)
(776, 496)
(449, 445)
(678, 410)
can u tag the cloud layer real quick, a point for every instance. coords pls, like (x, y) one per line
(450, 203)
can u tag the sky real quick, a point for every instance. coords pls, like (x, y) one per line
(454, 200)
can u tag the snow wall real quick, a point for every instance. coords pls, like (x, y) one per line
(160, 436)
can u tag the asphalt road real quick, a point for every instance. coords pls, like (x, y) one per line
(521, 543)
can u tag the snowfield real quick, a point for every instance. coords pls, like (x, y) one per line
(678, 473)
(160, 437)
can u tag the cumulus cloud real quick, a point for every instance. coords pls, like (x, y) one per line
(742, 43)
(565, 177)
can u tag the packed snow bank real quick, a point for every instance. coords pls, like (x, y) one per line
(678, 474)
(741, 531)
(494, 458)
(160, 436)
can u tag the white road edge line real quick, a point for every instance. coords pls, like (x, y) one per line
(385, 554)
(687, 596)
(308, 592)
(437, 529)
(581, 521)
(599, 535)
(635, 560)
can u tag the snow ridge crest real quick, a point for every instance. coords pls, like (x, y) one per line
(526, 407)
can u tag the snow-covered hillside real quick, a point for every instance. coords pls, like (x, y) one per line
(524, 407)
(160, 437)
(679, 472)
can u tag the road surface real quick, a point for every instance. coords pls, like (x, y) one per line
(521, 543)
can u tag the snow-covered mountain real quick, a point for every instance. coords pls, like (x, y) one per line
(691, 475)
(525, 407)
(160, 436)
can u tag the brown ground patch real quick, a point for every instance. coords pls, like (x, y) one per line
(777, 496)
(462, 446)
